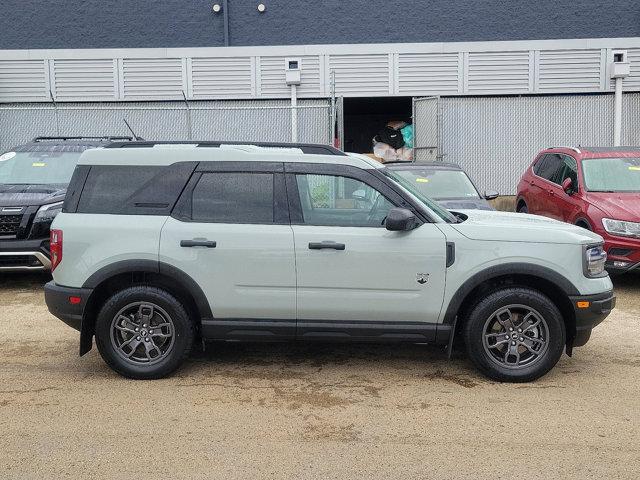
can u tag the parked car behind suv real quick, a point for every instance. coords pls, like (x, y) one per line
(446, 183)
(157, 246)
(594, 188)
(33, 183)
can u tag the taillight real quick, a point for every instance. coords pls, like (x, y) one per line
(55, 247)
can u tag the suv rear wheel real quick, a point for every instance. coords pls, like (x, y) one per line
(515, 335)
(144, 332)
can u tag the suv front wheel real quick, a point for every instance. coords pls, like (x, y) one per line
(144, 332)
(515, 335)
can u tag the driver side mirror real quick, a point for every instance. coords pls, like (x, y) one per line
(491, 195)
(567, 186)
(400, 220)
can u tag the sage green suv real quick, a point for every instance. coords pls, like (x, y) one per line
(160, 245)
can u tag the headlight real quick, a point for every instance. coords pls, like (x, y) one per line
(47, 213)
(619, 227)
(594, 260)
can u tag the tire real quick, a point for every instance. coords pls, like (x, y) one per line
(152, 320)
(505, 355)
(523, 208)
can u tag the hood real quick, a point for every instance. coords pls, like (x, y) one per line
(619, 206)
(520, 227)
(464, 204)
(30, 195)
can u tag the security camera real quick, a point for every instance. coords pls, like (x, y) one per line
(620, 66)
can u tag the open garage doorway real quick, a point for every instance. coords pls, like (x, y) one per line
(364, 118)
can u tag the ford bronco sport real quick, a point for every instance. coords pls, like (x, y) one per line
(159, 245)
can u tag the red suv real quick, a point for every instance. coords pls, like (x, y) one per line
(595, 188)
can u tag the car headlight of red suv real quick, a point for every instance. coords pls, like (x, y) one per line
(622, 228)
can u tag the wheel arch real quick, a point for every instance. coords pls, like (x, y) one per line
(520, 201)
(116, 276)
(550, 283)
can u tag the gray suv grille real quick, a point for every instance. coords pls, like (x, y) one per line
(9, 224)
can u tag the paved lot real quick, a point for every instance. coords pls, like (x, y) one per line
(319, 411)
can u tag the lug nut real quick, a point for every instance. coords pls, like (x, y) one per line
(511, 329)
(519, 330)
(137, 338)
(150, 331)
(522, 339)
(137, 329)
(144, 325)
(513, 343)
(146, 339)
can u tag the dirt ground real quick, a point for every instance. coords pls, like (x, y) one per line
(312, 411)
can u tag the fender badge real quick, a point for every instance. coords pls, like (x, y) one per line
(422, 278)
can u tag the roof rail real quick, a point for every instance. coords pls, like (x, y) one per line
(577, 150)
(109, 138)
(306, 148)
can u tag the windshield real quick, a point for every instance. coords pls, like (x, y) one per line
(37, 168)
(412, 189)
(439, 184)
(611, 174)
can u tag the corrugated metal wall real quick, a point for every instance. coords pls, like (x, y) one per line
(496, 138)
(482, 68)
(224, 120)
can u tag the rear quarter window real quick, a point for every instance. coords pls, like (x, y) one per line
(133, 190)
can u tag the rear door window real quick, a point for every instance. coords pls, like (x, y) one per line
(234, 197)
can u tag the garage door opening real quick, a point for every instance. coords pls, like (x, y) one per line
(364, 118)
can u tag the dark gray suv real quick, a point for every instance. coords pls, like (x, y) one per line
(33, 183)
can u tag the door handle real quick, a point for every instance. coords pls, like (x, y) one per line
(198, 243)
(325, 244)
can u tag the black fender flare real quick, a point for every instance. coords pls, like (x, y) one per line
(450, 318)
(148, 266)
(496, 271)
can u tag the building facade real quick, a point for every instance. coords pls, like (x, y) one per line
(507, 78)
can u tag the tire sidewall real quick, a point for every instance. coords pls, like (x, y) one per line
(474, 330)
(183, 332)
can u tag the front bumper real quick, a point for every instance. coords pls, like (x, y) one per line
(623, 254)
(590, 310)
(24, 255)
(59, 303)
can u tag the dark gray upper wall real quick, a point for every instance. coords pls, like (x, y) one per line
(35, 24)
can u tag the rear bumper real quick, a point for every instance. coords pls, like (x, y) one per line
(587, 317)
(24, 255)
(58, 303)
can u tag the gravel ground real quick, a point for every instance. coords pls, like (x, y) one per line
(312, 411)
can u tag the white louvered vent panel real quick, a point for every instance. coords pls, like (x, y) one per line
(498, 71)
(360, 75)
(427, 73)
(22, 80)
(84, 79)
(569, 70)
(152, 78)
(221, 77)
(272, 77)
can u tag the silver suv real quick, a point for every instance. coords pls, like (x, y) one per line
(162, 244)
